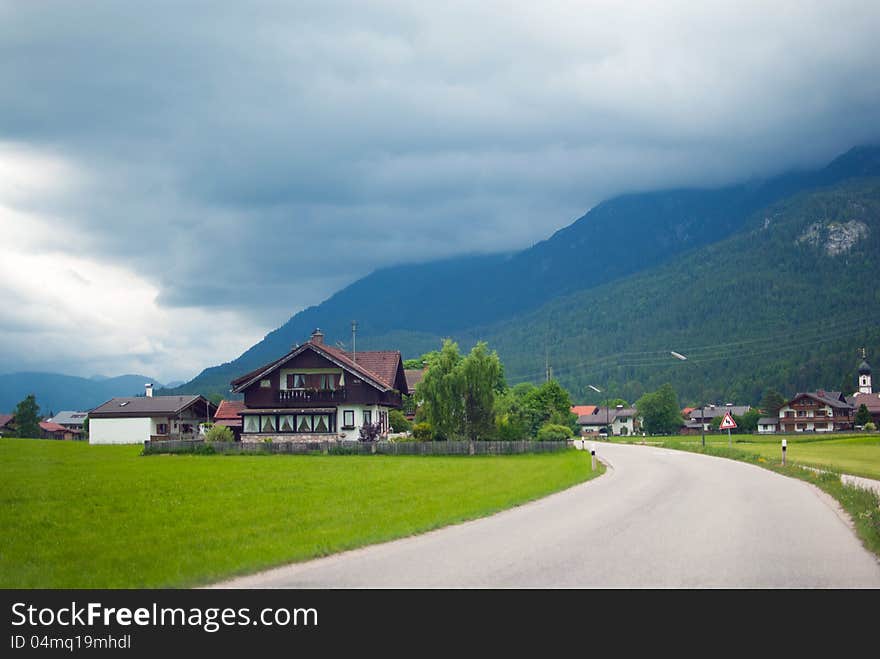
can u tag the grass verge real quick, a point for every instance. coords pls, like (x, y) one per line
(80, 516)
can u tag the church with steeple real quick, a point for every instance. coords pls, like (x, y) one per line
(865, 394)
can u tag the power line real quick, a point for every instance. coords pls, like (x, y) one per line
(734, 349)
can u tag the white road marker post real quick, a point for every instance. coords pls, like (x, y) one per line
(593, 455)
(784, 446)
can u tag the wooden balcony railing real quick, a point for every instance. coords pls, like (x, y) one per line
(294, 396)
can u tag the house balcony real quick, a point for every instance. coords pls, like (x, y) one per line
(295, 397)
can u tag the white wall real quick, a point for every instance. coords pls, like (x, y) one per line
(358, 419)
(119, 431)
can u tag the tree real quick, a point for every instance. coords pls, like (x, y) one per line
(479, 372)
(522, 410)
(219, 434)
(398, 421)
(441, 394)
(458, 393)
(27, 417)
(748, 422)
(659, 411)
(863, 416)
(771, 402)
(553, 432)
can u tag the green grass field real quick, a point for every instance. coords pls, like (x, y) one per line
(849, 454)
(80, 516)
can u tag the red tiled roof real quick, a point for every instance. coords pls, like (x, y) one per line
(49, 426)
(871, 401)
(583, 410)
(380, 364)
(413, 377)
(687, 410)
(377, 365)
(5, 418)
(229, 410)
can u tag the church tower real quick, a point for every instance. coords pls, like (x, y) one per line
(865, 386)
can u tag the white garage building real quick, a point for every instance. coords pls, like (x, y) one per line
(154, 418)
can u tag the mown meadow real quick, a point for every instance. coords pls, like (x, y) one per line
(79, 516)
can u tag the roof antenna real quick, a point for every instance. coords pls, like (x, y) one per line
(354, 329)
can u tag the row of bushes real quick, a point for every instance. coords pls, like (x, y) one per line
(550, 432)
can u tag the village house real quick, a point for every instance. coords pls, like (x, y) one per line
(865, 395)
(703, 416)
(767, 425)
(70, 419)
(51, 430)
(7, 425)
(148, 418)
(816, 411)
(618, 420)
(229, 414)
(316, 392)
(410, 404)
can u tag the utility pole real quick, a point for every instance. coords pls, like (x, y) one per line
(354, 329)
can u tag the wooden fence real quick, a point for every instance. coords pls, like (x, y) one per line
(355, 448)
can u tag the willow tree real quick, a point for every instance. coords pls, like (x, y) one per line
(458, 393)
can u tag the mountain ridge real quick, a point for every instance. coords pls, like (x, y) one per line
(617, 238)
(57, 391)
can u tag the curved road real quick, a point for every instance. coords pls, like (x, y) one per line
(657, 518)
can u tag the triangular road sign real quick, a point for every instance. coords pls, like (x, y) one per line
(728, 423)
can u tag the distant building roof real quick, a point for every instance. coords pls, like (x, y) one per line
(229, 410)
(5, 419)
(148, 406)
(871, 401)
(768, 421)
(49, 426)
(413, 377)
(711, 411)
(832, 398)
(69, 417)
(584, 410)
(599, 417)
(864, 368)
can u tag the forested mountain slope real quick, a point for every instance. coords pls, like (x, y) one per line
(786, 303)
(409, 307)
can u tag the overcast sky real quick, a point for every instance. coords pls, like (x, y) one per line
(179, 178)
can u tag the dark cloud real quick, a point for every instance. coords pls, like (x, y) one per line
(255, 157)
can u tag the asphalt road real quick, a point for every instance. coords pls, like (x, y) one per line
(657, 518)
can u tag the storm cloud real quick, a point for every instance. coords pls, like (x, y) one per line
(180, 178)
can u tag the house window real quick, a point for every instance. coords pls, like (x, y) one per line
(251, 424)
(265, 384)
(161, 428)
(286, 423)
(368, 417)
(296, 381)
(267, 424)
(304, 424)
(321, 423)
(348, 419)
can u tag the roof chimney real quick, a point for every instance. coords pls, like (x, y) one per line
(149, 388)
(318, 337)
